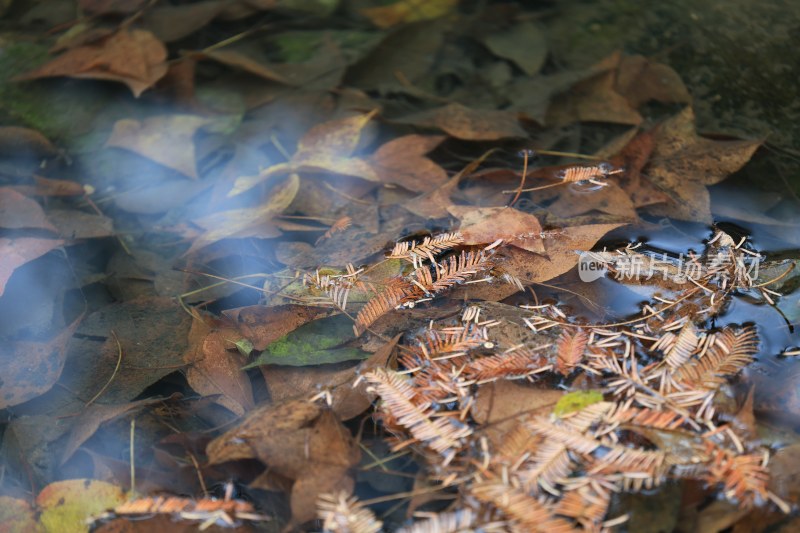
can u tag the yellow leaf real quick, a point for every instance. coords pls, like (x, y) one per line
(67, 505)
(408, 11)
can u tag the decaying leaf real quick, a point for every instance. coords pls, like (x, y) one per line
(133, 57)
(408, 11)
(67, 506)
(249, 221)
(214, 367)
(32, 368)
(485, 225)
(166, 139)
(403, 162)
(470, 124)
(683, 164)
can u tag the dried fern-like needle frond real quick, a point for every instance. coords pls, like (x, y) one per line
(525, 513)
(730, 353)
(518, 363)
(340, 224)
(455, 270)
(585, 505)
(454, 522)
(443, 435)
(342, 514)
(744, 477)
(571, 346)
(550, 465)
(395, 294)
(683, 347)
(428, 248)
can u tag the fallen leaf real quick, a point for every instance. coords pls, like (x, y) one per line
(291, 383)
(525, 44)
(640, 80)
(386, 16)
(32, 368)
(16, 141)
(264, 325)
(633, 157)
(469, 124)
(592, 100)
(166, 139)
(111, 7)
(683, 164)
(318, 342)
(174, 22)
(242, 62)
(327, 147)
(575, 401)
(73, 224)
(408, 52)
(52, 187)
(296, 440)
(214, 369)
(152, 334)
(402, 162)
(484, 225)
(17, 252)
(18, 212)
(135, 58)
(92, 417)
(562, 246)
(611, 199)
(17, 516)
(247, 222)
(509, 401)
(66, 506)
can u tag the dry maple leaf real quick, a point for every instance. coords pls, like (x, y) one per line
(133, 57)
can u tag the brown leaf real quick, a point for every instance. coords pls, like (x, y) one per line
(92, 417)
(633, 157)
(571, 347)
(51, 187)
(263, 325)
(274, 434)
(402, 161)
(17, 252)
(504, 400)
(326, 147)
(174, 22)
(641, 80)
(32, 368)
(215, 367)
(484, 225)
(249, 221)
(562, 247)
(470, 124)
(25, 142)
(525, 44)
(166, 139)
(18, 212)
(73, 224)
(111, 7)
(18, 516)
(240, 61)
(572, 201)
(135, 58)
(683, 164)
(408, 52)
(593, 100)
